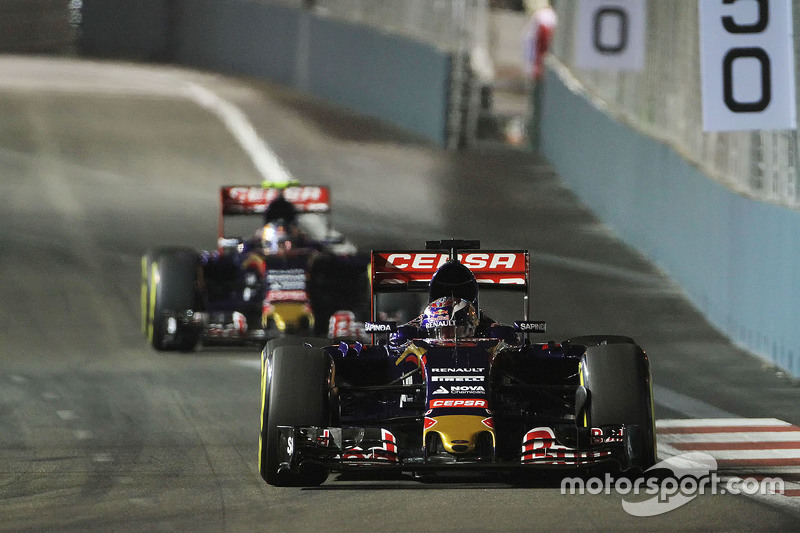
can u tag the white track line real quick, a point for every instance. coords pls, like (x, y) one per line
(715, 422)
(234, 119)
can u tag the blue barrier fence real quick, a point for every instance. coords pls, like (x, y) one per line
(386, 76)
(738, 259)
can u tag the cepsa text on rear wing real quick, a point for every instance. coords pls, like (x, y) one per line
(411, 270)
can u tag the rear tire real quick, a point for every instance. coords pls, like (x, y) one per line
(295, 392)
(617, 377)
(173, 286)
(147, 261)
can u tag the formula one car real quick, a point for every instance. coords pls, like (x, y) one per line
(288, 277)
(452, 389)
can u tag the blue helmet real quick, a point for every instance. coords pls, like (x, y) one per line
(449, 318)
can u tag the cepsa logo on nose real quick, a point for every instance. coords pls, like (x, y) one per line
(473, 261)
(459, 403)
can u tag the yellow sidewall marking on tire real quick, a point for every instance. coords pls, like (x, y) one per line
(580, 375)
(144, 301)
(152, 302)
(261, 442)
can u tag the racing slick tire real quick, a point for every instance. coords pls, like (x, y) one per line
(295, 392)
(147, 262)
(617, 377)
(272, 344)
(172, 279)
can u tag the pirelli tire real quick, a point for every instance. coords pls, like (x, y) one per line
(170, 288)
(147, 261)
(617, 378)
(294, 392)
(148, 280)
(272, 344)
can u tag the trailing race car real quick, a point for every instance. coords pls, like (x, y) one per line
(288, 277)
(452, 389)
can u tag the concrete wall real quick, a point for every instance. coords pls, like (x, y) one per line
(36, 26)
(398, 80)
(738, 259)
(239, 38)
(401, 81)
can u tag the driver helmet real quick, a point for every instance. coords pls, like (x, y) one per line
(280, 209)
(453, 279)
(275, 237)
(450, 318)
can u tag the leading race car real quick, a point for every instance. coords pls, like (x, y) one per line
(287, 277)
(452, 389)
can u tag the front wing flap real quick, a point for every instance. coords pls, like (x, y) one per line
(350, 448)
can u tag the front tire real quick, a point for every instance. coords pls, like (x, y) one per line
(618, 379)
(295, 392)
(173, 288)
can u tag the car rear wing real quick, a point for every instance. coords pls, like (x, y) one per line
(411, 270)
(254, 200)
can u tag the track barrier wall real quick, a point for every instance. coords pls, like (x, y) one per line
(387, 76)
(738, 259)
(37, 26)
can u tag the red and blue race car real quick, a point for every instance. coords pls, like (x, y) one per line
(286, 276)
(452, 389)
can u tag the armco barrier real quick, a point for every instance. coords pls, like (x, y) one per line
(738, 259)
(393, 78)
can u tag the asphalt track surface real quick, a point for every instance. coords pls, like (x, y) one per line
(99, 162)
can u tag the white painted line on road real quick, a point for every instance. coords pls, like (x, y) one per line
(17, 378)
(234, 119)
(102, 458)
(743, 456)
(50, 396)
(767, 436)
(726, 422)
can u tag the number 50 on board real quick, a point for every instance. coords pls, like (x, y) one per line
(747, 65)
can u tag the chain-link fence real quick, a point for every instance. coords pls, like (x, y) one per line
(664, 101)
